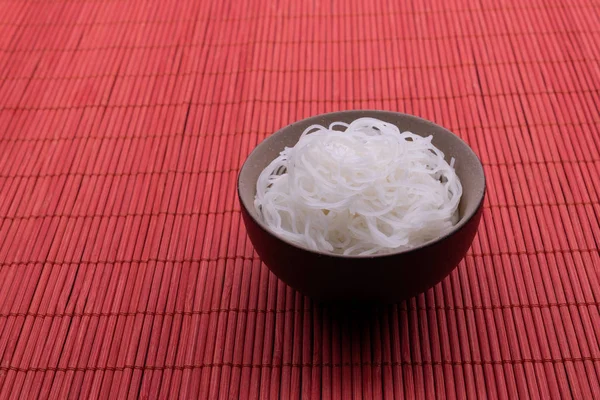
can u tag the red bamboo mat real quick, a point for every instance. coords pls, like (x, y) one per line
(125, 270)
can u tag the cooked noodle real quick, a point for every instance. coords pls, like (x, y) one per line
(359, 189)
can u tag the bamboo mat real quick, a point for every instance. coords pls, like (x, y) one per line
(125, 270)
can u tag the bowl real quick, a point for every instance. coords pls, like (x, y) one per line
(388, 278)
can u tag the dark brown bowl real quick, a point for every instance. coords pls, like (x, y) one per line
(386, 278)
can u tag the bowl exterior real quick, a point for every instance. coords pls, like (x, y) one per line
(384, 279)
(389, 278)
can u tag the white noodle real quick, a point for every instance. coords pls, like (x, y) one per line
(369, 189)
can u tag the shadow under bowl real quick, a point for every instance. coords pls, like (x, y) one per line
(388, 278)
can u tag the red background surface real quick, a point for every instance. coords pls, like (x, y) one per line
(125, 270)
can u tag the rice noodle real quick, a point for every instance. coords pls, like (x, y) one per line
(359, 189)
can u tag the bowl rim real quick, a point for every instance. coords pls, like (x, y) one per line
(459, 226)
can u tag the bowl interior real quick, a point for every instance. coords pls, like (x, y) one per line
(467, 165)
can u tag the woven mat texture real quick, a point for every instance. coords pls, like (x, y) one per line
(125, 270)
